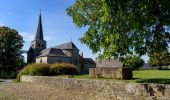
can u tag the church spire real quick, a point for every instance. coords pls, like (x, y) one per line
(39, 34)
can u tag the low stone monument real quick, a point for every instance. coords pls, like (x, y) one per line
(111, 72)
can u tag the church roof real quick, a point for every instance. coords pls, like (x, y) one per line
(89, 60)
(39, 34)
(52, 52)
(69, 45)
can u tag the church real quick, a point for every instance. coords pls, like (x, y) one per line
(63, 53)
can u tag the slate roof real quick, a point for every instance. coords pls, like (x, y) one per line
(39, 34)
(66, 46)
(52, 52)
(89, 60)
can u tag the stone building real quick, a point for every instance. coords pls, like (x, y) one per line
(63, 53)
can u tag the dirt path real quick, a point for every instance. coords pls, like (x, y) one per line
(6, 81)
(32, 91)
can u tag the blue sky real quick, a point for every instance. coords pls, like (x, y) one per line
(58, 27)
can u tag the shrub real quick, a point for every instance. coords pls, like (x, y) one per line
(62, 68)
(133, 62)
(34, 69)
(8, 74)
(48, 70)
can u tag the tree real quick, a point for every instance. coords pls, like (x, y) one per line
(121, 27)
(133, 62)
(159, 58)
(11, 44)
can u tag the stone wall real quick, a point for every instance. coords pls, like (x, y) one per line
(111, 72)
(109, 63)
(41, 59)
(58, 59)
(107, 88)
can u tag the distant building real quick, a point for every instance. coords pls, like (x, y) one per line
(147, 66)
(63, 53)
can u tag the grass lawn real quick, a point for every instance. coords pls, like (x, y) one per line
(142, 76)
(1, 80)
(152, 76)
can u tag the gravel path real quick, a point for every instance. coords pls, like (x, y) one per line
(6, 81)
(32, 91)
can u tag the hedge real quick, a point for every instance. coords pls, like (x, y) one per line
(48, 70)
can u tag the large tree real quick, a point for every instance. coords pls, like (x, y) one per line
(133, 62)
(120, 27)
(160, 57)
(11, 44)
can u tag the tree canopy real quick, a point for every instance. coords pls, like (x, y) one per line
(11, 44)
(120, 27)
(133, 62)
(161, 57)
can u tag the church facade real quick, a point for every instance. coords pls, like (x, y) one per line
(63, 53)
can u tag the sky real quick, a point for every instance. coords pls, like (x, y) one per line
(58, 27)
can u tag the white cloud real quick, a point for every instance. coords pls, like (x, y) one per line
(1, 24)
(29, 37)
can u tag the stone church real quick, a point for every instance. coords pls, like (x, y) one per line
(63, 53)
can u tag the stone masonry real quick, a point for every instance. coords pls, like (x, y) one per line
(107, 88)
(111, 72)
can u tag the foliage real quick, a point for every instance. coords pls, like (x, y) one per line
(62, 68)
(133, 62)
(10, 51)
(121, 27)
(11, 74)
(48, 70)
(36, 69)
(161, 57)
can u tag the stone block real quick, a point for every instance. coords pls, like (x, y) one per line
(111, 72)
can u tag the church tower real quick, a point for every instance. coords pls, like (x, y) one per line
(37, 45)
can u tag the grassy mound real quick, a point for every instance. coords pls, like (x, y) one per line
(48, 70)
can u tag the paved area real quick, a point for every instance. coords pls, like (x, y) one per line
(33, 91)
(6, 81)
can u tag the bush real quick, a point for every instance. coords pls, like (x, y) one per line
(133, 62)
(8, 74)
(62, 68)
(34, 69)
(48, 70)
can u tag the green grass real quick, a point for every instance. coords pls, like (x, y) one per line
(1, 80)
(141, 76)
(152, 76)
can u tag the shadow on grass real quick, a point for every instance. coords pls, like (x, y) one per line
(154, 80)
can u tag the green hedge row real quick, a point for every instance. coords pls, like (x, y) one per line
(48, 70)
(8, 74)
